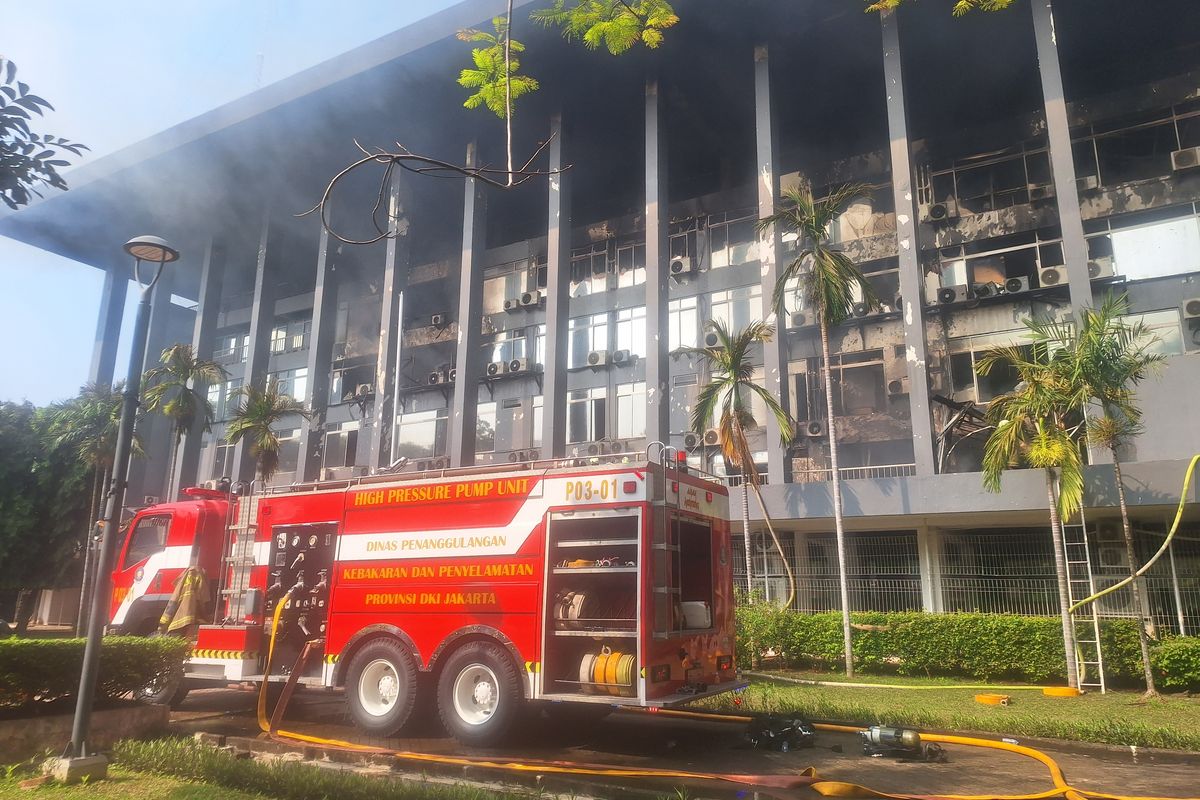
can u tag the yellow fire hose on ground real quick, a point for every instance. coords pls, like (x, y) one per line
(1183, 496)
(808, 777)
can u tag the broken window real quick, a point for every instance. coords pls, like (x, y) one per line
(589, 270)
(992, 262)
(1135, 148)
(858, 384)
(631, 264)
(965, 352)
(512, 425)
(586, 415)
(884, 277)
(684, 390)
(345, 382)
(731, 239)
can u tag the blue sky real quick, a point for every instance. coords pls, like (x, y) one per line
(116, 73)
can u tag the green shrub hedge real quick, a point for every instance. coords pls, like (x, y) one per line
(979, 646)
(34, 671)
(1177, 663)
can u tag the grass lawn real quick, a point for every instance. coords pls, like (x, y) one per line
(1122, 718)
(123, 784)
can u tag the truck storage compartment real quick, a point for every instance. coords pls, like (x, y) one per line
(592, 635)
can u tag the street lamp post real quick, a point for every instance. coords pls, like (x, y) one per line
(76, 761)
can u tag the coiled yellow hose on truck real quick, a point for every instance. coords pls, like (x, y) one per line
(1187, 482)
(808, 777)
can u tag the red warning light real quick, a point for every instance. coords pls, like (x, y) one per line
(630, 487)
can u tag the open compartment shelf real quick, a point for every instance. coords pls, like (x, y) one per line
(592, 608)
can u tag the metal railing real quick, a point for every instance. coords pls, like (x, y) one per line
(855, 473)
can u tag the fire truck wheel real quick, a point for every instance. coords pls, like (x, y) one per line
(479, 693)
(381, 687)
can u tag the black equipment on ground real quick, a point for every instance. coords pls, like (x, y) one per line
(780, 733)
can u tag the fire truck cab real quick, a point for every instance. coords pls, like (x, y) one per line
(590, 584)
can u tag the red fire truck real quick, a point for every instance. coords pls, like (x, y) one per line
(600, 583)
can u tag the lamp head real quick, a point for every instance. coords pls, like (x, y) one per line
(151, 248)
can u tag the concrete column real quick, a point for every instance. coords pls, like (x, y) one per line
(320, 362)
(558, 283)
(464, 409)
(395, 276)
(148, 474)
(204, 331)
(908, 247)
(1062, 162)
(929, 555)
(108, 325)
(658, 367)
(262, 320)
(774, 351)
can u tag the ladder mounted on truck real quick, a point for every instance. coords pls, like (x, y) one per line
(239, 561)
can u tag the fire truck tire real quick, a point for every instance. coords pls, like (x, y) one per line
(381, 687)
(169, 689)
(479, 693)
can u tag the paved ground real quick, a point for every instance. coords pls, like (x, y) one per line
(638, 740)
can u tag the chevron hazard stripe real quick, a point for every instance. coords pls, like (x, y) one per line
(225, 655)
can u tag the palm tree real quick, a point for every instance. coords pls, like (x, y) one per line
(172, 391)
(256, 413)
(828, 282)
(87, 425)
(1106, 361)
(726, 399)
(1037, 424)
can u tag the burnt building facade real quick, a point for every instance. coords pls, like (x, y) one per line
(1020, 164)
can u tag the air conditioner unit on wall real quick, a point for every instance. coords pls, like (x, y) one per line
(983, 290)
(497, 368)
(1016, 285)
(944, 211)
(711, 339)
(1040, 192)
(682, 265)
(691, 441)
(1052, 276)
(531, 298)
(451, 375)
(897, 386)
(1087, 183)
(1187, 158)
(437, 376)
(439, 320)
(597, 358)
(512, 303)
(862, 309)
(518, 365)
(953, 294)
(364, 390)
(622, 358)
(799, 320)
(813, 428)
(712, 437)
(1191, 308)
(1100, 268)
